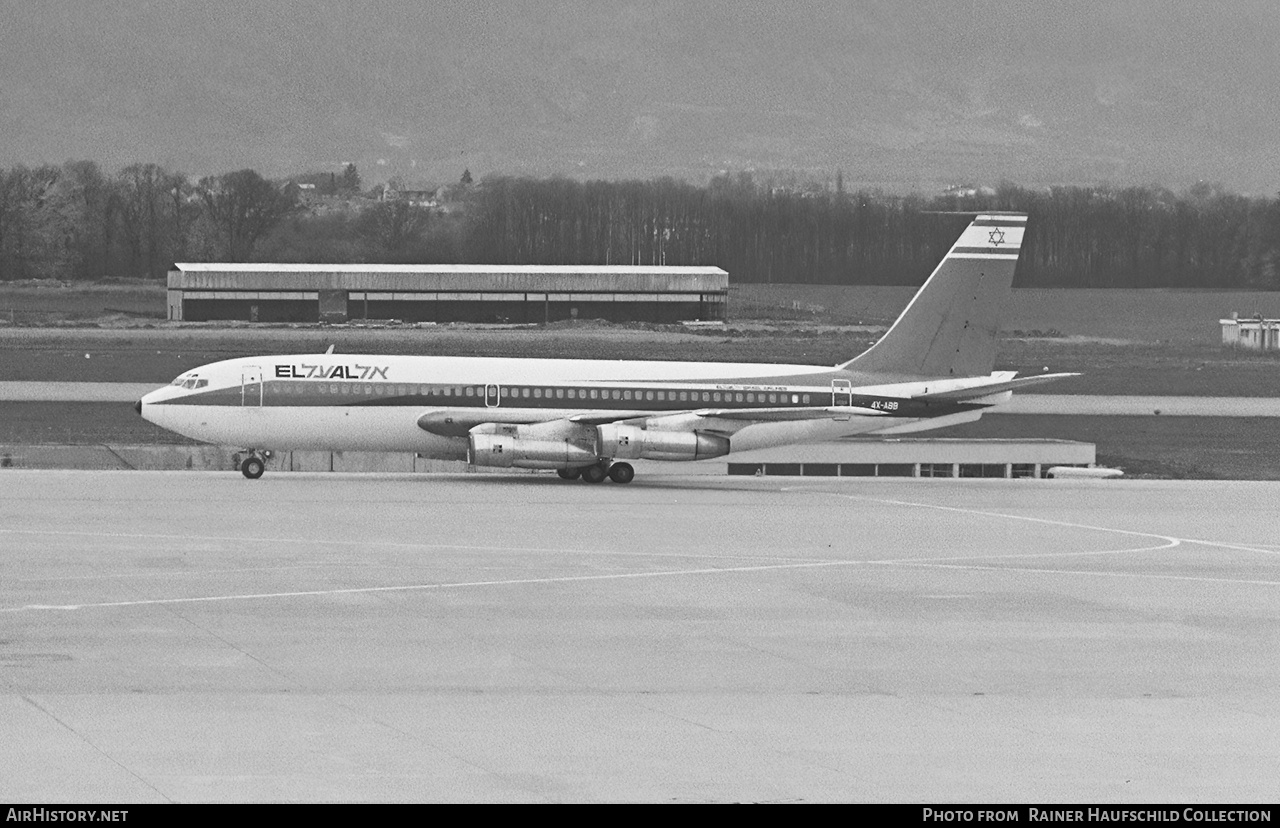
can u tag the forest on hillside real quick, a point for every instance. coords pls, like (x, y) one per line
(77, 222)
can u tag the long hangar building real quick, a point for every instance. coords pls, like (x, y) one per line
(445, 293)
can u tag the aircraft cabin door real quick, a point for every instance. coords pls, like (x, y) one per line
(491, 395)
(841, 392)
(251, 383)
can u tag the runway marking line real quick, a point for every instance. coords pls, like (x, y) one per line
(422, 587)
(1259, 549)
(367, 543)
(937, 563)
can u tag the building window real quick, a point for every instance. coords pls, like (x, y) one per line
(857, 469)
(982, 469)
(895, 470)
(936, 470)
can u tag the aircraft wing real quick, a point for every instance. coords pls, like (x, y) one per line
(615, 416)
(788, 414)
(456, 423)
(962, 394)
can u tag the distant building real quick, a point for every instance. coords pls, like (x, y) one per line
(445, 293)
(416, 198)
(968, 190)
(1254, 334)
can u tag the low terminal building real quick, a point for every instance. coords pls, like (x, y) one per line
(854, 457)
(203, 292)
(912, 457)
(1253, 334)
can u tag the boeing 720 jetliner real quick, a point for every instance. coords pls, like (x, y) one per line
(586, 418)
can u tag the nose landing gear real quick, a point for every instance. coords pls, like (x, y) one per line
(253, 466)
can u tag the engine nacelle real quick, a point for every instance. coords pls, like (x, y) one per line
(508, 450)
(632, 443)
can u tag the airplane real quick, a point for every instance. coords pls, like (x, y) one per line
(585, 418)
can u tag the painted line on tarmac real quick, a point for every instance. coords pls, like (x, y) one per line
(567, 579)
(389, 544)
(1091, 573)
(1172, 542)
(1260, 549)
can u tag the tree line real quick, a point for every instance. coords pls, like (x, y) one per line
(76, 222)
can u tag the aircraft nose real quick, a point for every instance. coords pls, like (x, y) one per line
(138, 407)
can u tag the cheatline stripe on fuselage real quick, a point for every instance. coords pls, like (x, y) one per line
(310, 394)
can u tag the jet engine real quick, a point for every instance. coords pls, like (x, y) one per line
(528, 447)
(632, 443)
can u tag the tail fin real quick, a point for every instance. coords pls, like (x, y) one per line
(949, 328)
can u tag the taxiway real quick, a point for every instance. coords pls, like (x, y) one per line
(196, 637)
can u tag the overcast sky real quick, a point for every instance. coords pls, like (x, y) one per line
(904, 95)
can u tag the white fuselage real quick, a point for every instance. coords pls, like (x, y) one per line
(374, 403)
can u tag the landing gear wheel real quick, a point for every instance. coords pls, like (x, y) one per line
(568, 474)
(593, 474)
(253, 467)
(622, 473)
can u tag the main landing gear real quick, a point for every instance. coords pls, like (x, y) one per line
(253, 466)
(617, 472)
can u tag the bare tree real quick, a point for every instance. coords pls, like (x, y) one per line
(393, 228)
(244, 207)
(30, 237)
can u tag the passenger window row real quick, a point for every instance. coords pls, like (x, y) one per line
(513, 393)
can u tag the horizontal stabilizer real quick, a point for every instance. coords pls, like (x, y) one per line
(962, 394)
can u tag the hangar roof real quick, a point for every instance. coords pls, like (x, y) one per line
(384, 277)
(586, 270)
